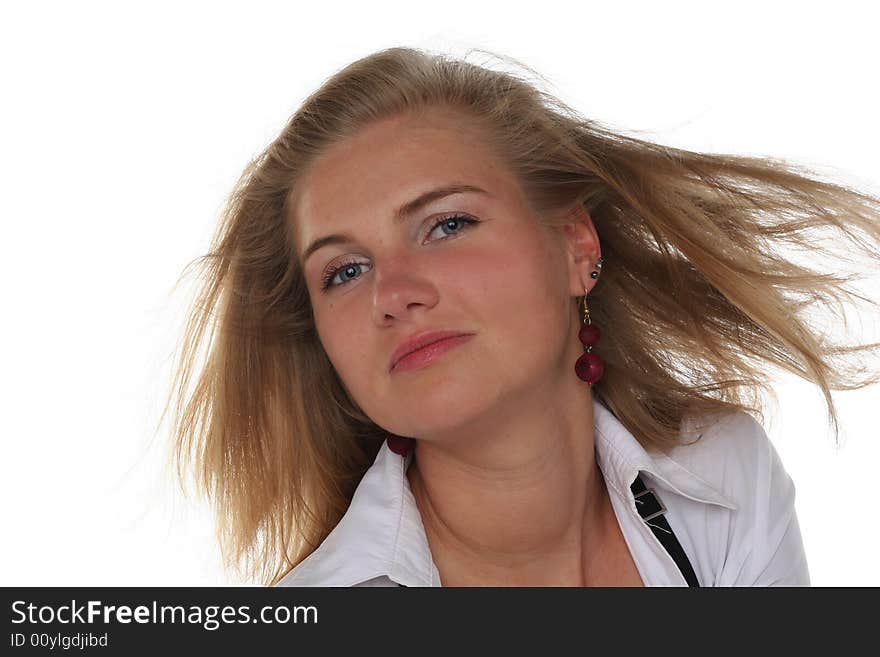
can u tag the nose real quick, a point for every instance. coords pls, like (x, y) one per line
(399, 290)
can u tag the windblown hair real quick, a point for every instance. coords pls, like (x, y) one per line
(699, 293)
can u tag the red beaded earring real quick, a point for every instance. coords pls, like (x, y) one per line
(400, 444)
(589, 367)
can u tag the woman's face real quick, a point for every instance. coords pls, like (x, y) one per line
(473, 261)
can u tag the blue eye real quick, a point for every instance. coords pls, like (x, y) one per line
(451, 222)
(454, 224)
(347, 268)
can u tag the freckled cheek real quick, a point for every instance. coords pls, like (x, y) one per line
(339, 337)
(519, 290)
(495, 281)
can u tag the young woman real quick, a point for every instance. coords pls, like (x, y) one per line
(458, 335)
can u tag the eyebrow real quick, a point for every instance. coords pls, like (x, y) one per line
(403, 213)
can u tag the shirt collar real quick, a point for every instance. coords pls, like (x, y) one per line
(621, 458)
(381, 533)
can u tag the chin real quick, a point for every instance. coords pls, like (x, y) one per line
(433, 419)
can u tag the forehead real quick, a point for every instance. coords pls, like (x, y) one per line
(388, 163)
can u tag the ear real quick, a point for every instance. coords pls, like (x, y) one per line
(582, 248)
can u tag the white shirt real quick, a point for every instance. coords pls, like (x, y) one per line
(729, 502)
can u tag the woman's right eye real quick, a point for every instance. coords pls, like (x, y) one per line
(343, 270)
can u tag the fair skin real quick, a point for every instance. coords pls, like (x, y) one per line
(505, 475)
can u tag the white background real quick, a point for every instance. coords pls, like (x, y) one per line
(124, 126)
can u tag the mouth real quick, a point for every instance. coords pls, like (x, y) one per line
(429, 353)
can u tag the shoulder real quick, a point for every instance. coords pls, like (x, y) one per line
(731, 452)
(759, 540)
(731, 455)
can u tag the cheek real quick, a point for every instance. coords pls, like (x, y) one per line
(527, 270)
(341, 341)
(519, 290)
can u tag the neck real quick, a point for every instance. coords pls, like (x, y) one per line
(519, 499)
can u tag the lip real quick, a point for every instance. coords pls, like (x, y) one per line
(420, 341)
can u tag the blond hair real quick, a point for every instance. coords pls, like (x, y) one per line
(696, 296)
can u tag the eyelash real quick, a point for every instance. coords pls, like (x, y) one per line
(330, 275)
